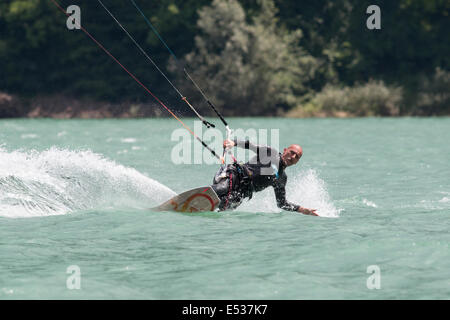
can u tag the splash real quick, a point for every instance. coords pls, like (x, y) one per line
(60, 181)
(445, 200)
(369, 203)
(305, 188)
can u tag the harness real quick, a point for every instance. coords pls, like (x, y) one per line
(240, 182)
(244, 176)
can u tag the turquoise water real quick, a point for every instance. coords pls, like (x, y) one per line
(77, 193)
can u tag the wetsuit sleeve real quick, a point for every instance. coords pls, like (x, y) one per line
(246, 144)
(280, 195)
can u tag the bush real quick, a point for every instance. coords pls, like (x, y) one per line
(11, 106)
(433, 96)
(370, 99)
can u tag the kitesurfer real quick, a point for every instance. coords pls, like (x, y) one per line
(235, 182)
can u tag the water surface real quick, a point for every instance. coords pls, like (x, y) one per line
(77, 192)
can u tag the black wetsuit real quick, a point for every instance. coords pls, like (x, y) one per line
(235, 182)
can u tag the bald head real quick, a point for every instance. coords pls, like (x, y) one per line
(292, 154)
(296, 148)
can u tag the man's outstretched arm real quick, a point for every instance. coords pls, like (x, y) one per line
(280, 195)
(246, 144)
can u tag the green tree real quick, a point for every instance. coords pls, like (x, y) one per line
(39, 55)
(248, 68)
(412, 39)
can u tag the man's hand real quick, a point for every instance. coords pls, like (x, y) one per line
(227, 144)
(311, 212)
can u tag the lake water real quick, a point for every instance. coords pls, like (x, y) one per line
(74, 195)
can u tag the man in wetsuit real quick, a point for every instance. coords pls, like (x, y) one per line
(235, 182)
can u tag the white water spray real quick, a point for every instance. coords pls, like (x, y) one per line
(305, 189)
(59, 181)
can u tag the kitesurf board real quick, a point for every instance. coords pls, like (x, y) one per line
(195, 200)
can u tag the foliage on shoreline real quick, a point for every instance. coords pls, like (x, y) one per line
(263, 57)
(65, 107)
(253, 64)
(370, 99)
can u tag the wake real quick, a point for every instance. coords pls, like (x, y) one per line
(60, 181)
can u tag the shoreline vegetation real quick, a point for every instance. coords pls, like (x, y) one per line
(67, 107)
(373, 98)
(322, 106)
(253, 58)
